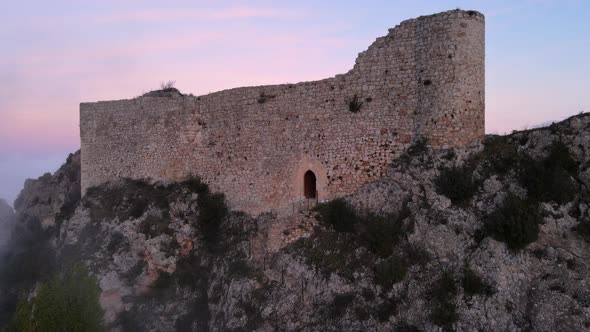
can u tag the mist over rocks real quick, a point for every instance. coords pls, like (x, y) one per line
(7, 218)
(495, 236)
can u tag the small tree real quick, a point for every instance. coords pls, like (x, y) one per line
(66, 302)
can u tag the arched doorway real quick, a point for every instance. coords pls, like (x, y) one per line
(309, 185)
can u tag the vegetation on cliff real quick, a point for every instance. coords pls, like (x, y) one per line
(494, 236)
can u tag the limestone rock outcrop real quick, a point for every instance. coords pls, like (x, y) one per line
(6, 222)
(424, 248)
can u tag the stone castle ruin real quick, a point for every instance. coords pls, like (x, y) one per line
(273, 147)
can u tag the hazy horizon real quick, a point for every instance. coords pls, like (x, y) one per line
(58, 54)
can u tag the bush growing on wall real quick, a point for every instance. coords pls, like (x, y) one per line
(354, 105)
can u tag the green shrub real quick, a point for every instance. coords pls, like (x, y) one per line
(499, 155)
(473, 284)
(416, 255)
(583, 229)
(71, 202)
(391, 271)
(154, 225)
(381, 234)
(354, 105)
(457, 183)
(444, 314)
(332, 252)
(418, 147)
(67, 302)
(560, 157)
(386, 309)
(553, 178)
(341, 303)
(405, 327)
(212, 211)
(116, 242)
(515, 223)
(165, 281)
(444, 311)
(546, 184)
(122, 201)
(132, 198)
(339, 214)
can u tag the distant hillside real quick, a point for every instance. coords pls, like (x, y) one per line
(494, 237)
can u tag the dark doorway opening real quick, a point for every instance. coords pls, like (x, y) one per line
(309, 188)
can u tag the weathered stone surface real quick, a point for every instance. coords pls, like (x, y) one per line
(7, 219)
(258, 276)
(424, 79)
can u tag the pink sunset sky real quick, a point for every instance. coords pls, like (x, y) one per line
(57, 54)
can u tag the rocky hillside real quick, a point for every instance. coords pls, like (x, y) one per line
(6, 222)
(491, 237)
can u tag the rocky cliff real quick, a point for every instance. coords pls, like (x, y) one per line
(491, 237)
(6, 222)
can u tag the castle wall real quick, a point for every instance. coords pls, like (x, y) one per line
(255, 143)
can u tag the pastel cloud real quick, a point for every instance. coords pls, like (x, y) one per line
(56, 54)
(201, 14)
(57, 80)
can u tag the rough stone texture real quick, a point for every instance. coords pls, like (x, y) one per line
(424, 79)
(6, 223)
(52, 196)
(257, 277)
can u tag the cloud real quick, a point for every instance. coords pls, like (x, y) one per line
(176, 15)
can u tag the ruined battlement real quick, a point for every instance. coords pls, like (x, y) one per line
(268, 147)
